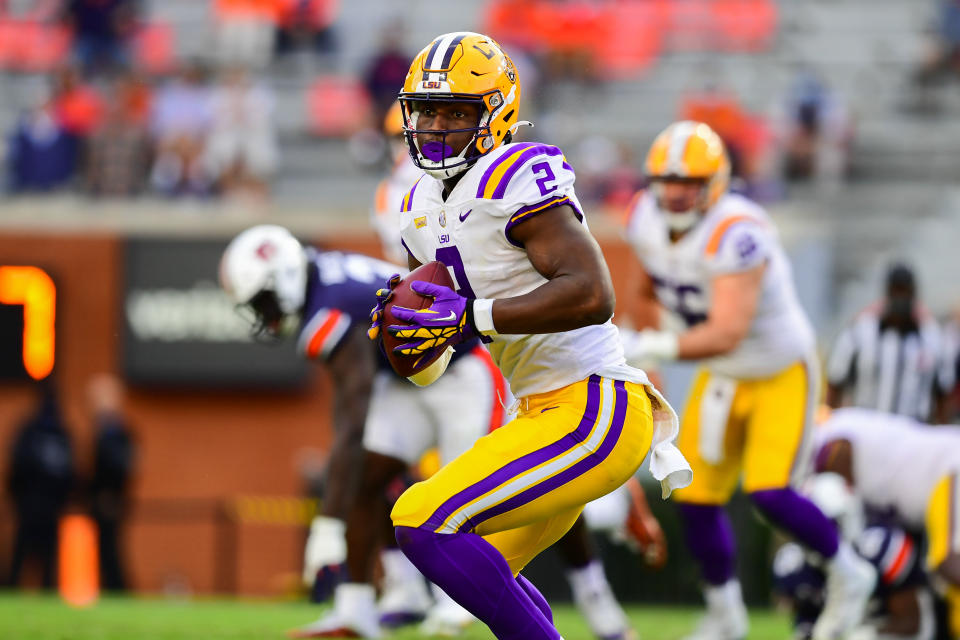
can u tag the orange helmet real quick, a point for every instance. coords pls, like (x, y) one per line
(462, 67)
(690, 150)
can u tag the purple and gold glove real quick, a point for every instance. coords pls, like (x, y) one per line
(383, 297)
(448, 321)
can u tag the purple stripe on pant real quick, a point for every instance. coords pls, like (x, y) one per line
(583, 466)
(524, 463)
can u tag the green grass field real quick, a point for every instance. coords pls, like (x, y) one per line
(35, 617)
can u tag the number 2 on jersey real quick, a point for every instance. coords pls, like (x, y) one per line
(545, 182)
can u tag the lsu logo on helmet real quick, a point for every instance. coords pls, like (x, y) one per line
(462, 67)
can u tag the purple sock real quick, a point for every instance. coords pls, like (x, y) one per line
(794, 514)
(710, 540)
(476, 575)
(536, 596)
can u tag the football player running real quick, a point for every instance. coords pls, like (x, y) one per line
(323, 297)
(716, 270)
(585, 573)
(910, 469)
(504, 218)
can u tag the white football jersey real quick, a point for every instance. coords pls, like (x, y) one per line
(470, 233)
(896, 461)
(385, 214)
(734, 235)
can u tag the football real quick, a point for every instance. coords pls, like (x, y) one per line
(435, 272)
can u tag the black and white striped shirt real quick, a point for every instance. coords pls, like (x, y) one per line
(890, 371)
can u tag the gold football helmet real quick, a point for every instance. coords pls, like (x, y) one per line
(462, 67)
(689, 150)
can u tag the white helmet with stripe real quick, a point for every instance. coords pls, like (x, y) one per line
(264, 270)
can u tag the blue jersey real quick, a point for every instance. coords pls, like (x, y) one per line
(892, 551)
(341, 292)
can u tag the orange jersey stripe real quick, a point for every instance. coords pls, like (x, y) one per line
(316, 342)
(499, 387)
(713, 244)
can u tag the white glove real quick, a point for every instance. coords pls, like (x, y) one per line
(648, 348)
(326, 545)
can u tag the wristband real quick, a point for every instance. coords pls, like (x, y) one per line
(482, 312)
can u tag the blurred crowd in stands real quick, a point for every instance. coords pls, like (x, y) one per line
(125, 115)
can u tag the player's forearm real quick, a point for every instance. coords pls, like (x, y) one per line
(564, 303)
(707, 340)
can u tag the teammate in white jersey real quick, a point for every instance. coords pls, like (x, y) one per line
(720, 279)
(385, 213)
(899, 465)
(530, 278)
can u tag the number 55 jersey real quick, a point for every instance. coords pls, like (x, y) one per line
(470, 232)
(735, 235)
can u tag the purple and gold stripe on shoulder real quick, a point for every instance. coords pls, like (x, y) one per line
(407, 203)
(494, 181)
(535, 209)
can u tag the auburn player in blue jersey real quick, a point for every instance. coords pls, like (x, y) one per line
(382, 423)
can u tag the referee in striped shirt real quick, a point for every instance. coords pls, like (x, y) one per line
(892, 357)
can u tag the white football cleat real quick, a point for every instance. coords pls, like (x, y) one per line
(850, 583)
(446, 618)
(354, 615)
(726, 617)
(405, 599)
(596, 602)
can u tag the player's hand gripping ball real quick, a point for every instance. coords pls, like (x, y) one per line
(424, 316)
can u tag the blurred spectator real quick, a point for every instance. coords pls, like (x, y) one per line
(816, 131)
(102, 30)
(79, 107)
(40, 481)
(180, 120)
(118, 154)
(387, 70)
(245, 32)
(891, 357)
(721, 110)
(571, 29)
(42, 154)
(241, 151)
(306, 24)
(943, 53)
(113, 464)
(607, 172)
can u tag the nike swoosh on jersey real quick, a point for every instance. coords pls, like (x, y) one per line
(463, 216)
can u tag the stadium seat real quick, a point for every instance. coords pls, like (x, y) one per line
(630, 37)
(33, 46)
(337, 106)
(745, 25)
(154, 48)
